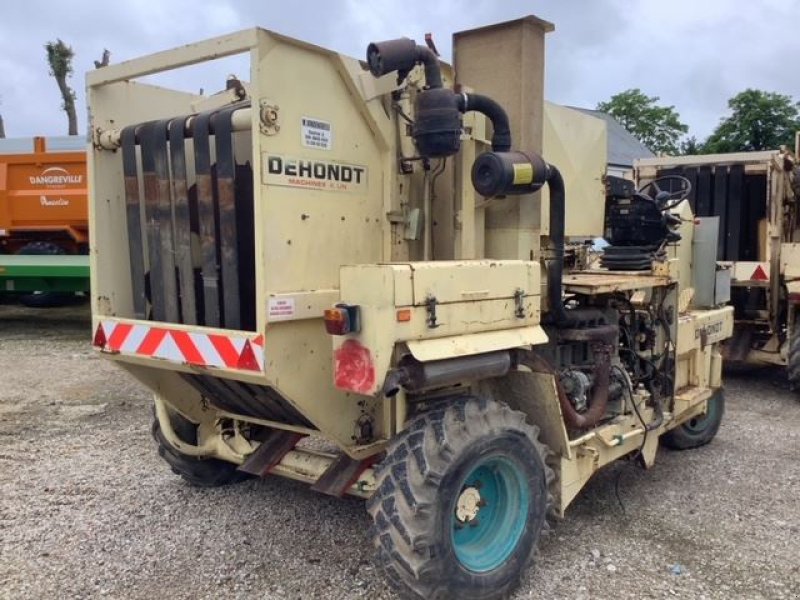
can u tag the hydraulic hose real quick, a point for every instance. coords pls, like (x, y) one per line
(501, 138)
(555, 270)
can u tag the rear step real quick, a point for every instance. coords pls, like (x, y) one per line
(343, 472)
(271, 451)
(339, 476)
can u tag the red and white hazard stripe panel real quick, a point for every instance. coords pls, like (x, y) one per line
(226, 351)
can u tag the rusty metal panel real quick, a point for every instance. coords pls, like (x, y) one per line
(149, 135)
(226, 202)
(206, 208)
(166, 276)
(134, 221)
(182, 223)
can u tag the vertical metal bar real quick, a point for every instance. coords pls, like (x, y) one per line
(691, 174)
(754, 210)
(721, 206)
(703, 201)
(207, 220)
(163, 192)
(733, 224)
(149, 137)
(134, 221)
(183, 231)
(226, 195)
(245, 232)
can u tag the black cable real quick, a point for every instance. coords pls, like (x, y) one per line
(670, 349)
(400, 112)
(644, 439)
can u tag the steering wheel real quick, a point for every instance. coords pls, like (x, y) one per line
(666, 200)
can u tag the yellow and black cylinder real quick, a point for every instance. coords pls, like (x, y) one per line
(508, 173)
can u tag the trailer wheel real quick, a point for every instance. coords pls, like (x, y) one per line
(44, 299)
(200, 472)
(699, 430)
(461, 501)
(793, 361)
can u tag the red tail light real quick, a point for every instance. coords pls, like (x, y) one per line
(342, 319)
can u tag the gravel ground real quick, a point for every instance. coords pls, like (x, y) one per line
(88, 509)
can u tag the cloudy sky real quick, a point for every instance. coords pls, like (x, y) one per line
(694, 54)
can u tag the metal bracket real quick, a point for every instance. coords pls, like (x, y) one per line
(268, 117)
(519, 303)
(430, 308)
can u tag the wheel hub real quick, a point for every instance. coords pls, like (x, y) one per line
(468, 505)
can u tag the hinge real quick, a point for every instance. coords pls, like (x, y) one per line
(519, 303)
(430, 308)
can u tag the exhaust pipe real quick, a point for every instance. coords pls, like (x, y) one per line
(416, 376)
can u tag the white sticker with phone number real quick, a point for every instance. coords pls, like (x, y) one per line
(316, 133)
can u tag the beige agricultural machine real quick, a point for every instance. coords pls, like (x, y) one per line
(753, 196)
(358, 253)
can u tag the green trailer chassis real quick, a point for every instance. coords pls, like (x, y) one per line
(44, 273)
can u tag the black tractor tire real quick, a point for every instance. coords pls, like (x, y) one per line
(199, 472)
(44, 299)
(428, 469)
(698, 431)
(793, 360)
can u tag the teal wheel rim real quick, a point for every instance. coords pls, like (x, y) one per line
(490, 514)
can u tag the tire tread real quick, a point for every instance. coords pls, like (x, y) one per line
(199, 472)
(408, 482)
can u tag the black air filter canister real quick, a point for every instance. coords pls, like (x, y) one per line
(508, 173)
(437, 129)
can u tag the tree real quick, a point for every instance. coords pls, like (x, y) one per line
(690, 146)
(758, 121)
(657, 127)
(59, 57)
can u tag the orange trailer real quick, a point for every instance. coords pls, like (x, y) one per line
(43, 196)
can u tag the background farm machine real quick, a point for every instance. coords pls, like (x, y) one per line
(356, 252)
(753, 195)
(44, 219)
